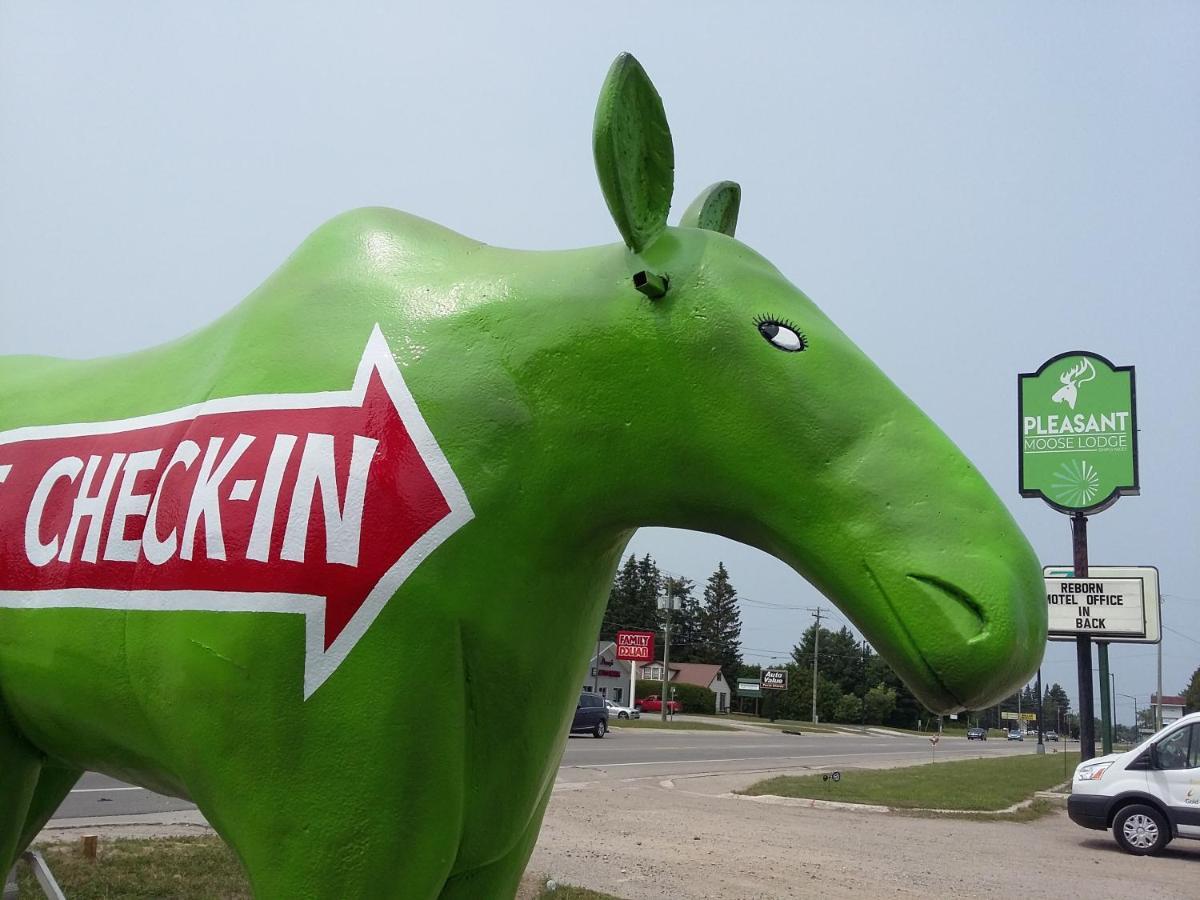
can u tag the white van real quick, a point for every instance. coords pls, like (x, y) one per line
(1146, 796)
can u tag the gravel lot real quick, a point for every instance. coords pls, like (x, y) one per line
(603, 835)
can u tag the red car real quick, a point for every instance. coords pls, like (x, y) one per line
(653, 703)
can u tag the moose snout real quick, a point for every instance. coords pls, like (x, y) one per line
(976, 628)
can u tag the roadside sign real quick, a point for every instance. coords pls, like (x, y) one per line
(635, 645)
(1018, 716)
(1077, 432)
(1114, 603)
(748, 687)
(773, 679)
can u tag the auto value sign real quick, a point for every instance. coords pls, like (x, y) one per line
(773, 679)
(1114, 603)
(1078, 432)
(635, 645)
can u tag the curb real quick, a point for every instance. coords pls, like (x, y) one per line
(1054, 795)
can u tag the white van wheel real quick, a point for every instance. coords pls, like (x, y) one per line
(1141, 830)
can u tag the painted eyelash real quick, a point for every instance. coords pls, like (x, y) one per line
(786, 323)
(775, 320)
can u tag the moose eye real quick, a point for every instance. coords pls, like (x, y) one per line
(781, 334)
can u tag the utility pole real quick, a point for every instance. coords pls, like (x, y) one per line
(816, 647)
(664, 697)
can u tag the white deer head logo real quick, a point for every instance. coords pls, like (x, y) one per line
(1072, 379)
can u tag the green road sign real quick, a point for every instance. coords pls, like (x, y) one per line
(1077, 428)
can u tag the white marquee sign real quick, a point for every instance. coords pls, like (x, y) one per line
(1113, 603)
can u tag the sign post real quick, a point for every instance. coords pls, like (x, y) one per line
(1077, 451)
(637, 647)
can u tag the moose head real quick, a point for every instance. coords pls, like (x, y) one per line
(1071, 379)
(744, 411)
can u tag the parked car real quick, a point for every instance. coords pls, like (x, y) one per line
(1016, 735)
(621, 712)
(1050, 735)
(976, 734)
(591, 716)
(1149, 795)
(653, 703)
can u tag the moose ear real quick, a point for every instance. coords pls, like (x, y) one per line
(635, 160)
(716, 209)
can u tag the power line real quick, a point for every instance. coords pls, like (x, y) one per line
(1186, 637)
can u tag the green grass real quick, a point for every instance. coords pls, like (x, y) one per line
(570, 892)
(160, 869)
(1035, 810)
(191, 868)
(652, 721)
(969, 784)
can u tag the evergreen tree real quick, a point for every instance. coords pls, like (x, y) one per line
(841, 659)
(686, 639)
(633, 599)
(1191, 695)
(1055, 707)
(645, 601)
(721, 622)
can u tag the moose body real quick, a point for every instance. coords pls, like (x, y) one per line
(556, 393)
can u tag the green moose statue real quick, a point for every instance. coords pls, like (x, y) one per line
(285, 566)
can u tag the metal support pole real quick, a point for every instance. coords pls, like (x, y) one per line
(816, 648)
(664, 697)
(1113, 720)
(1105, 702)
(1083, 646)
(45, 878)
(1158, 708)
(1041, 747)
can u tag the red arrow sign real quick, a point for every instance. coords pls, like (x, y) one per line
(318, 504)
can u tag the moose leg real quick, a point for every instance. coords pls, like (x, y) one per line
(501, 878)
(19, 767)
(53, 785)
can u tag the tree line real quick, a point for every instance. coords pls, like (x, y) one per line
(854, 684)
(704, 629)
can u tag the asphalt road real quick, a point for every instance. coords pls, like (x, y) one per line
(628, 754)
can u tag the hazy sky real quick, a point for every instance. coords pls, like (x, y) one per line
(966, 191)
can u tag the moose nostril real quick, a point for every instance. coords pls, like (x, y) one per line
(960, 608)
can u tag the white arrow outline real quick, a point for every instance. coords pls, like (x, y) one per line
(319, 663)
